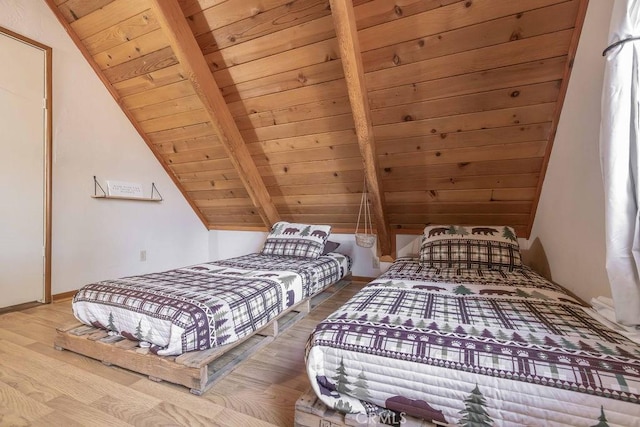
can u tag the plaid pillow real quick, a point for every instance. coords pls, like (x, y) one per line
(481, 247)
(301, 240)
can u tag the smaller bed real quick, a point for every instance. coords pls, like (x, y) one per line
(466, 335)
(205, 308)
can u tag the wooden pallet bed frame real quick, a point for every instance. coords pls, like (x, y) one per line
(197, 370)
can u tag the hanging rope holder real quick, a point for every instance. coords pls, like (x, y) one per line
(366, 239)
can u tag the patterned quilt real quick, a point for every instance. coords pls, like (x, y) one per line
(473, 348)
(206, 305)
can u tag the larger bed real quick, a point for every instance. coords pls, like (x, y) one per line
(473, 346)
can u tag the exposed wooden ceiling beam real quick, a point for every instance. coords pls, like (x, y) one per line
(346, 31)
(186, 49)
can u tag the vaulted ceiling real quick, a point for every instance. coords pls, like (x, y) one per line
(263, 110)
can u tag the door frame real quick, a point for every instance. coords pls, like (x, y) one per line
(48, 156)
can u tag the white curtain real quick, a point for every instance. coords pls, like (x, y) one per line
(619, 150)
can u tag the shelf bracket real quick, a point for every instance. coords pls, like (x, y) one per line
(154, 189)
(97, 185)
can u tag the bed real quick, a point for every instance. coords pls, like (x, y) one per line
(208, 307)
(465, 334)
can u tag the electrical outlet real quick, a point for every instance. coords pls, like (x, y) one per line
(143, 255)
(375, 262)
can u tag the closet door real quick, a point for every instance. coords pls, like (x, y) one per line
(23, 168)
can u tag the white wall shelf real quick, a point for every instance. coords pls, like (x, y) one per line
(104, 195)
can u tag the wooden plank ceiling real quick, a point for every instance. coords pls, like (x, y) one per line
(449, 108)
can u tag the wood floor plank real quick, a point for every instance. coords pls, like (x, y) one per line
(252, 401)
(29, 326)
(84, 413)
(15, 338)
(25, 356)
(26, 385)
(184, 417)
(55, 418)
(133, 412)
(11, 417)
(42, 386)
(112, 373)
(18, 403)
(265, 404)
(48, 371)
(48, 313)
(234, 418)
(187, 409)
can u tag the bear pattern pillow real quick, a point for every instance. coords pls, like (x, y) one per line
(471, 247)
(299, 240)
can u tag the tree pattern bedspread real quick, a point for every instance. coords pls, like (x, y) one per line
(474, 348)
(205, 305)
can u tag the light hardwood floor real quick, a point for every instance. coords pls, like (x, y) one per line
(40, 386)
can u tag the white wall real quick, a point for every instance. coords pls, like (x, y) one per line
(569, 223)
(227, 244)
(362, 257)
(101, 239)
